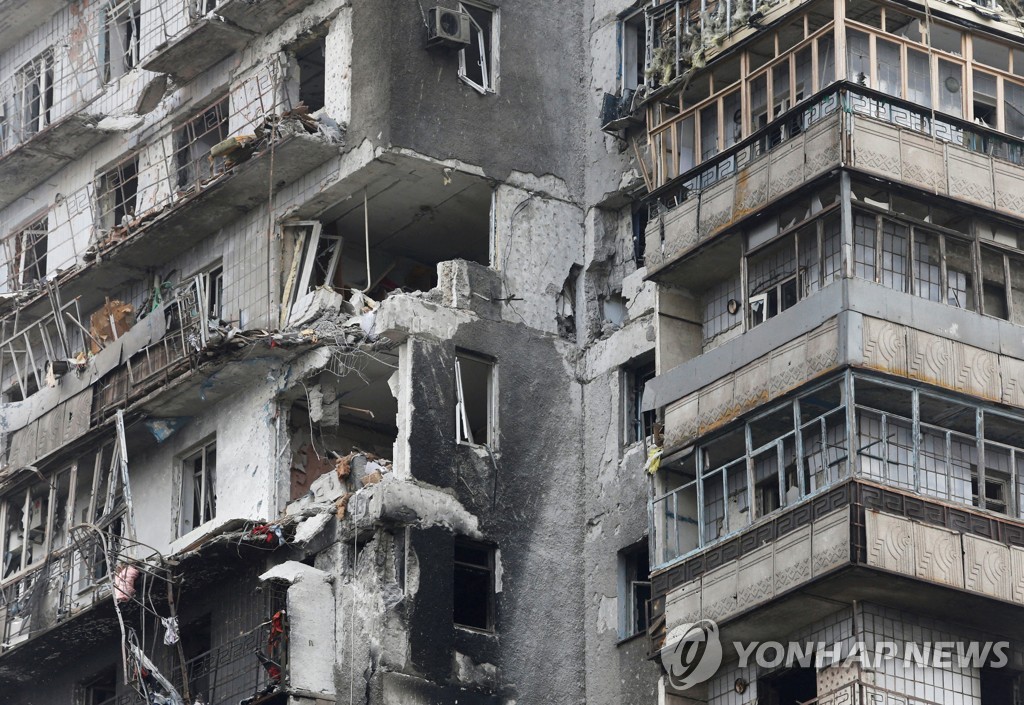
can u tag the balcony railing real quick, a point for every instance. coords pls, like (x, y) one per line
(846, 98)
(248, 669)
(55, 84)
(52, 570)
(861, 693)
(904, 437)
(146, 187)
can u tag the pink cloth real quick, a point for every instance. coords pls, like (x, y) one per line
(124, 582)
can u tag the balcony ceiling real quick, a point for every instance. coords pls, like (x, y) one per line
(417, 207)
(30, 164)
(20, 17)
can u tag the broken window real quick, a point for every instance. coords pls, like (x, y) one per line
(25, 255)
(783, 68)
(118, 191)
(311, 60)
(639, 423)
(773, 280)
(676, 526)
(783, 472)
(473, 586)
(119, 39)
(34, 85)
(194, 142)
(315, 255)
(213, 281)
(26, 527)
(478, 62)
(198, 488)
(475, 400)
(100, 689)
(634, 589)
(722, 308)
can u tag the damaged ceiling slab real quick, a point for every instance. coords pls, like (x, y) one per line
(205, 42)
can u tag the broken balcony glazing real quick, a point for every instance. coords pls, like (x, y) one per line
(921, 441)
(147, 190)
(706, 115)
(56, 532)
(931, 251)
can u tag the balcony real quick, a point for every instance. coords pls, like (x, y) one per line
(52, 112)
(167, 195)
(187, 37)
(782, 574)
(862, 693)
(847, 126)
(20, 18)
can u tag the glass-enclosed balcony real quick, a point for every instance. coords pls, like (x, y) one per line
(903, 436)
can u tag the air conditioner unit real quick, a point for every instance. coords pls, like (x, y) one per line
(447, 27)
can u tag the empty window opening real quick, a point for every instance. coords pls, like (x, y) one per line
(634, 589)
(640, 218)
(214, 289)
(101, 689)
(999, 685)
(119, 41)
(118, 195)
(335, 418)
(196, 644)
(473, 586)
(311, 59)
(565, 304)
(194, 142)
(796, 685)
(198, 488)
(639, 423)
(475, 391)
(34, 86)
(997, 483)
(478, 61)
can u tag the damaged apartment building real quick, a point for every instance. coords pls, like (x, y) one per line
(834, 225)
(324, 332)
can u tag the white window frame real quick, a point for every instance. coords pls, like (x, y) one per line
(40, 73)
(490, 69)
(188, 483)
(633, 38)
(118, 16)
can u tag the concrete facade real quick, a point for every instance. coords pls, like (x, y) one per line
(833, 238)
(321, 367)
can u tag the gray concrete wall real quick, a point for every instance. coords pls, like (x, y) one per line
(411, 97)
